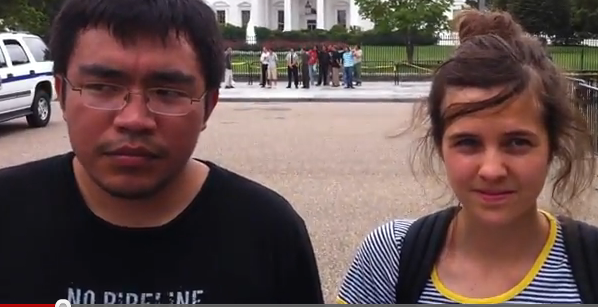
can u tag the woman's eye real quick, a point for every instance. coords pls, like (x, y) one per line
(467, 143)
(519, 142)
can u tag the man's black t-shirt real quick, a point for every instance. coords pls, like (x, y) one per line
(323, 58)
(238, 242)
(337, 58)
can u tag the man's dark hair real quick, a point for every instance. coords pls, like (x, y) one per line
(129, 20)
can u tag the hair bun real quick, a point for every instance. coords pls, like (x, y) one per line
(473, 22)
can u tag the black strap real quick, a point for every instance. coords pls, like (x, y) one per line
(419, 251)
(581, 245)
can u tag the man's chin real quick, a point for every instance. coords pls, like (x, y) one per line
(130, 190)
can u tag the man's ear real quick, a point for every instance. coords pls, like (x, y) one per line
(211, 101)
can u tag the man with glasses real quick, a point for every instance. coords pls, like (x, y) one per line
(128, 217)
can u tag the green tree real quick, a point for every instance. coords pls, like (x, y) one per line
(33, 16)
(546, 17)
(407, 16)
(541, 17)
(585, 17)
(23, 16)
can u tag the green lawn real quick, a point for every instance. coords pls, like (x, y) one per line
(570, 58)
(381, 59)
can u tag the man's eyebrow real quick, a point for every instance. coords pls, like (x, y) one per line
(170, 76)
(101, 71)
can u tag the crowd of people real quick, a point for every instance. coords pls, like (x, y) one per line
(321, 65)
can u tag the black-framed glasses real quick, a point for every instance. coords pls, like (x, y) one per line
(114, 97)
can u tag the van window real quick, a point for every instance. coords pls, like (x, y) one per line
(16, 52)
(2, 60)
(38, 48)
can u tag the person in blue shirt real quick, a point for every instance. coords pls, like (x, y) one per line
(348, 63)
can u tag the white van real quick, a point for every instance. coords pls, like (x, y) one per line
(26, 81)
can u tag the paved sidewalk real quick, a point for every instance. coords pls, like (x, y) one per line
(368, 92)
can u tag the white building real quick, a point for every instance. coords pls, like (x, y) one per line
(287, 15)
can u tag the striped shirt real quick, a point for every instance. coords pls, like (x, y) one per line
(372, 277)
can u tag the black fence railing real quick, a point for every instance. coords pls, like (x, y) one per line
(584, 94)
(250, 71)
(574, 58)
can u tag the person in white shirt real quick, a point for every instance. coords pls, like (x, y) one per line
(228, 68)
(357, 56)
(292, 68)
(272, 58)
(264, 67)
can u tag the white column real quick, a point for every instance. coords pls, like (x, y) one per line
(354, 17)
(288, 15)
(257, 12)
(320, 10)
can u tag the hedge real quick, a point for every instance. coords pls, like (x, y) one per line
(235, 37)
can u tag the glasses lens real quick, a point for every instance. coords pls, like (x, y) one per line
(169, 101)
(103, 96)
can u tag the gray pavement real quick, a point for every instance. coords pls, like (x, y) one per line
(333, 162)
(368, 92)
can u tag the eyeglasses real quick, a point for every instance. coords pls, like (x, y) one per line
(114, 97)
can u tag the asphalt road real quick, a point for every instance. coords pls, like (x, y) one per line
(333, 161)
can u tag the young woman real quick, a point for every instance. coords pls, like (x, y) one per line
(500, 120)
(272, 59)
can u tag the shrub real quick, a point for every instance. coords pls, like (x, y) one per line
(338, 35)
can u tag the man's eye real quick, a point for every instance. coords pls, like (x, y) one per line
(101, 87)
(167, 93)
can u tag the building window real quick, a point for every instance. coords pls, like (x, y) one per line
(312, 24)
(280, 20)
(245, 15)
(221, 16)
(341, 18)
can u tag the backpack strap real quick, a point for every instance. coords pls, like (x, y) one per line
(419, 252)
(581, 245)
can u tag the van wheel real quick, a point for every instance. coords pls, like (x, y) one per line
(41, 110)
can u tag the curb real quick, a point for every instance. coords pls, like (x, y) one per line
(322, 100)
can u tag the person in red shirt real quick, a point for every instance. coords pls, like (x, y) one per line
(313, 61)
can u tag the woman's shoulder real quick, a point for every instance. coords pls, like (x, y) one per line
(392, 232)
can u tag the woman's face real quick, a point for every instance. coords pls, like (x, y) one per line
(496, 160)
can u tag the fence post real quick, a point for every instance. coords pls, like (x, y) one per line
(396, 73)
(249, 73)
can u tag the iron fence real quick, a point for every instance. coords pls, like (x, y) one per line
(584, 94)
(574, 58)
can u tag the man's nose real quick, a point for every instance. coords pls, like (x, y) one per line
(135, 115)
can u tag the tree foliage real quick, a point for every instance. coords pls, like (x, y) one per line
(585, 17)
(406, 16)
(543, 17)
(33, 16)
(427, 16)
(558, 19)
